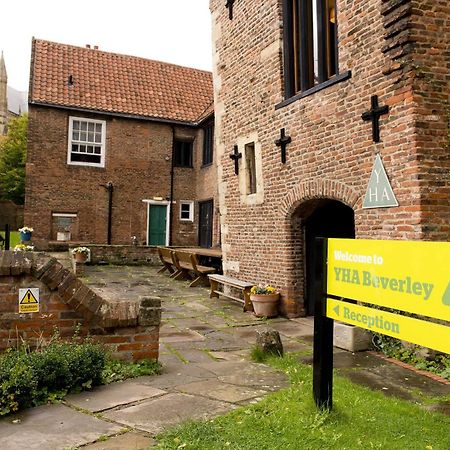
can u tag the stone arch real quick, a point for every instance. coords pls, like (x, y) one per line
(315, 189)
(311, 194)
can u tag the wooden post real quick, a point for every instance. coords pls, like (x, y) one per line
(323, 335)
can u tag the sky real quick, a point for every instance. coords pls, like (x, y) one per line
(176, 31)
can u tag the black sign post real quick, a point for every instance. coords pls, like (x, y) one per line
(323, 333)
(7, 237)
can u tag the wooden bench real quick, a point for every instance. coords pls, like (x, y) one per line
(244, 286)
(187, 263)
(165, 255)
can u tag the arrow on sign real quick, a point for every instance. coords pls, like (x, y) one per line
(336, 310)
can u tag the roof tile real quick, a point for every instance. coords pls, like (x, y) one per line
(119, 84)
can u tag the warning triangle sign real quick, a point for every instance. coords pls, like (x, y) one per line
(28, 298)
(379, 192)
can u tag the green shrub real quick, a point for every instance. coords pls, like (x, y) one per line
(17, 382)
(32, 378)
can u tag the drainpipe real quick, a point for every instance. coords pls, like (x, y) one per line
(172, 173)
(110, 188)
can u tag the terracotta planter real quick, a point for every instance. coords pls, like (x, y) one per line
(80, 257)
(265, 305)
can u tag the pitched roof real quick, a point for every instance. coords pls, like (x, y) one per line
(90, 79)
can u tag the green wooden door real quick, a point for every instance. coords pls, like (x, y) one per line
(157, 225)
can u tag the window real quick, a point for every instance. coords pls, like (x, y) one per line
(182, 154)
(310, 44)
(208, 144)
(86, 142)
(187, 211)
(250, 166)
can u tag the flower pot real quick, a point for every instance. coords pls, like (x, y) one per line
(265, 305)
(25, 236)
(80, 257)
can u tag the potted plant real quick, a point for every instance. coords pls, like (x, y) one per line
(23, 248)
(80, 254)
(265, 300)
(25, 233)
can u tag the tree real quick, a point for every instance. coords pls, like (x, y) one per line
(13, 152)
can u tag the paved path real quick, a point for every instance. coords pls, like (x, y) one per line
(205, 346)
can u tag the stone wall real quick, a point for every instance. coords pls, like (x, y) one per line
(395, 49)
(129, 329)
(124, 254)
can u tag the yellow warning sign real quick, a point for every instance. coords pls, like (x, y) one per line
(29, 300)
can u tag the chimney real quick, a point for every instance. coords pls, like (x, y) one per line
(95, 47)
(88, 45)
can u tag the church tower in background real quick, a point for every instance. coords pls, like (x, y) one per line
(3, 96)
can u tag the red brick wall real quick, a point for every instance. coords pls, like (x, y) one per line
(130, 330)
(397, 50)
(138, 163)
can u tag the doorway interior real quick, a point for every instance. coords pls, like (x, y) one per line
(329, 219)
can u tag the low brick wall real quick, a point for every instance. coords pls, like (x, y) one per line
(123, 254)
(130, 329)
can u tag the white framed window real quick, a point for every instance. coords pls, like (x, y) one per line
(86, 142)
(187, 210)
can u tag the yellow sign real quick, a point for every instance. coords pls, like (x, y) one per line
(412, 276)
(417, 331)
(29, 300)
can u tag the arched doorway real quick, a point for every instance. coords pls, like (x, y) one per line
(330, 219)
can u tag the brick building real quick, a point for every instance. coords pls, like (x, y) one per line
(113, 141)
(348, 84)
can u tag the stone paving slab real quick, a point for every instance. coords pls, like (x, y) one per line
(233, 367)
(191, 323)
(291, 345)
(179, 336)
(292, 329)
(197, 356)
(221, 391)
(396, 381)
(198, 307)
(158, 414)
(238, 355)
(113, 395)
(177, 375)
(52, 427)
(127, 441)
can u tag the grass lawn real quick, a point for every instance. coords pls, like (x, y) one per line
(288, 419)
(14, 236)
